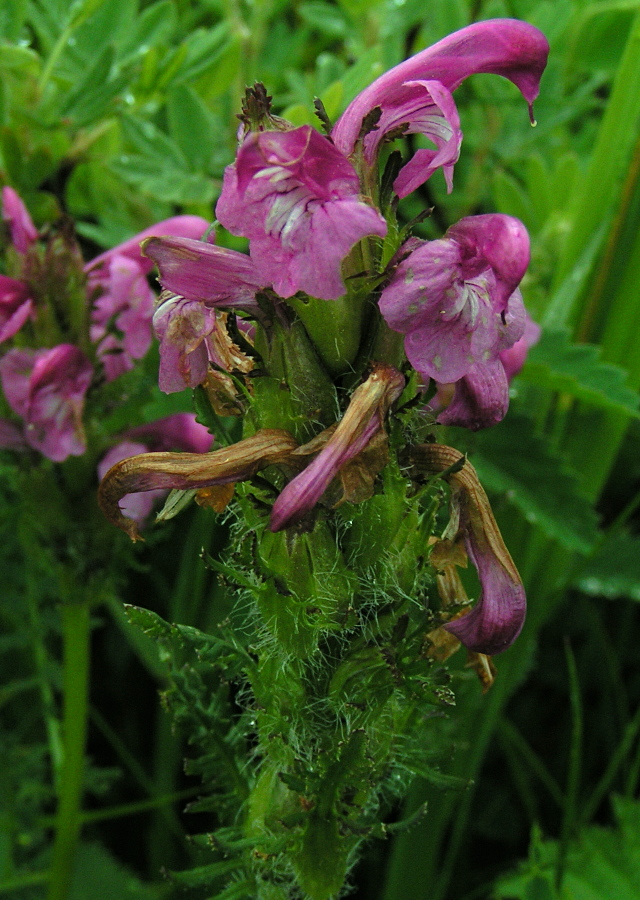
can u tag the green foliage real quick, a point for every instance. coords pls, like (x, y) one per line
(601, 863)
(614, 569)
(120, 113)
(577, 369)
(537, 481)
(98, 874)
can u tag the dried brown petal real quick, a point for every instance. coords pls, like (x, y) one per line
(184, 471)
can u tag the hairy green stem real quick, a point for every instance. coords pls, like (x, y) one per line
(76, 634)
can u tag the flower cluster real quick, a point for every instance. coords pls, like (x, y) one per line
(45, 382)
(308, 204)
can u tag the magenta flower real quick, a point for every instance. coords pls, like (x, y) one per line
(121, 316)
(46, 388)
(177, 432)
(200, 278)
(180, 431)
(456, 301)
(363, 419)
(122, 313)
(297, 199)
(16, 306)
(416, 94)
(497, 618)
(14, 212)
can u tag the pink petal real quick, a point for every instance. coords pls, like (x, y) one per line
(297, 200)
(177, 226)
(481, 398)
(15, 213)
(200, 271)
(47, 389)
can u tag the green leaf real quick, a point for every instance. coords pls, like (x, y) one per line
(576, 369)
(191, 126)
(602, 863)
(98, 874)
(513, 461)
(614, 571)
(152, 143)
(156, 24)
(325, 17)
(88, 100)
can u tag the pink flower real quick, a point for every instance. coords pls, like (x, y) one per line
(416, 95)
(121, 315)
(177, 432)
(180, 431)
(363, 419)
(297, 199)
(202, 277)
(456, 301)
(16, 306)
(46, 388)
(497, 618)
(15, 213)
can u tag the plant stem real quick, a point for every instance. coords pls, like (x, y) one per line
(76, 633)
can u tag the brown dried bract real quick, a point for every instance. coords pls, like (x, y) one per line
(185, 471)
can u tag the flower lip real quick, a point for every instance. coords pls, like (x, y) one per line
(196, 270)
(508, 47)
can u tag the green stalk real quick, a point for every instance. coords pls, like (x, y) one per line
(76, 634)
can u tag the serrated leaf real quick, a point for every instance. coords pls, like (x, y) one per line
(149, 622)
(576, 369)
(513, 461)
(614, 571)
